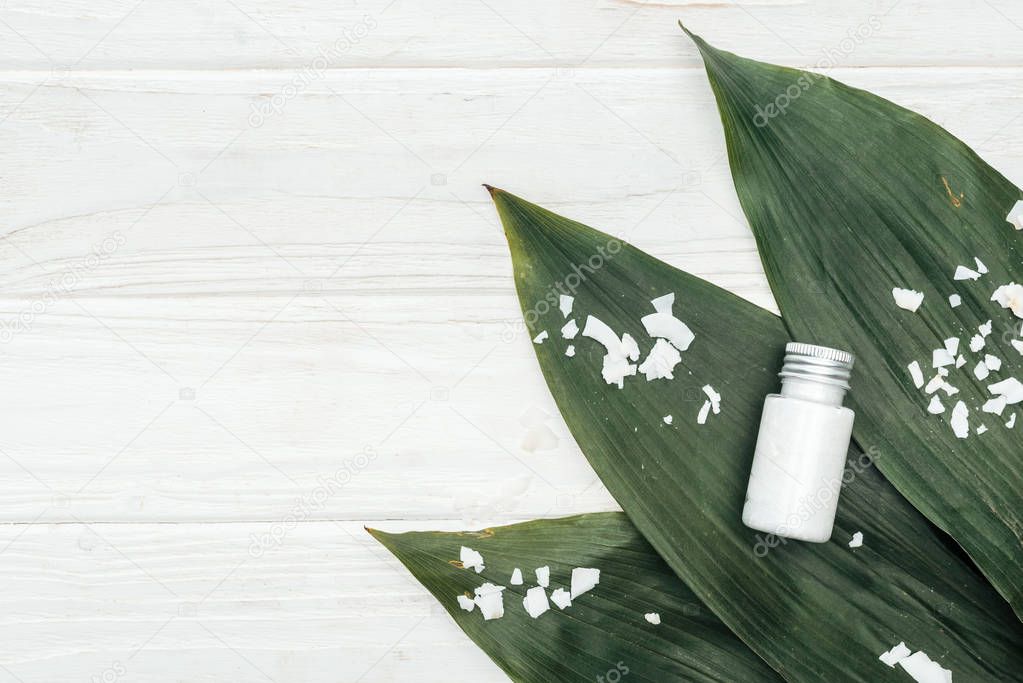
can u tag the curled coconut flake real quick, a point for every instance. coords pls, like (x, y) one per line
(668, 419)
(562, 598)
(543, 575)
(960, 420)
(1016, 215)
(916, 373)
(664, 324)
(535, 601)
(583, 580)
(981, 268)
(466, 603)
(539, 339)
(895, 655)
(653, 617)
(954, 300)
(470, 559)
(924, 670)
(935, 407)
(618, 351)
(570, 329)
(516, 577)
(701, 417)
(490, 599)
(964, 273)
(908, 299)
(661, 361)
(857, 540)
(1010, 389)
(1010, 296)
(565, 304)
(715, 398)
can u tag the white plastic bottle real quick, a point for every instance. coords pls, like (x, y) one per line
(802, 446)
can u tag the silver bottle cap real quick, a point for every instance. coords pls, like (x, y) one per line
(817, 363)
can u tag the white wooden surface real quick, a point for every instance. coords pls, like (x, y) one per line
(245, 247)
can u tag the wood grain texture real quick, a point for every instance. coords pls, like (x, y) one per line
(243, 288)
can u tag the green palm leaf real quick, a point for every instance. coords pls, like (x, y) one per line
(603, 635)
(814, 612)
(850, 196)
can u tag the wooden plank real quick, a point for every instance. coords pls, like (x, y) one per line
(312, 34)
(193, 602)
(272, 301)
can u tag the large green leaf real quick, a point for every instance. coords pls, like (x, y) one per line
(603, 635)
(849, 196)
(813, 611)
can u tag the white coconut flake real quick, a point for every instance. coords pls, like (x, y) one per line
(653, 617)
(960, 420)
(661, 361)
(535, 601)
(935, 407)
(565, 304)
(949, 389)
(1016, 215)
(981, 268)
(539, 339)
(516, 577)
(908, 299)
(570, 329)
(715, 398)
(562, 598)
(964, 273)
(470, 559)
(941, 357)
(466, 603)
(934, 384)
(1018, 345)
(1012, 421)
(981, 429)
(570, 351)
(995, 406)
(543, 575)
(976, 343)
(895, 655)
(1011, 389)
(668, 419)
(960, 360)
(981, 371)
(665, 325)
(923, 670)
(993, 363)
(490, 599)
(954, 300)
(952, 345)
(917, 374)
(583, 580)
(1010, 296)
(618, 351)
(857, 540)
(984, 329)
(701, 417)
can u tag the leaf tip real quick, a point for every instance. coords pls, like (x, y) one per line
(494, 191)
